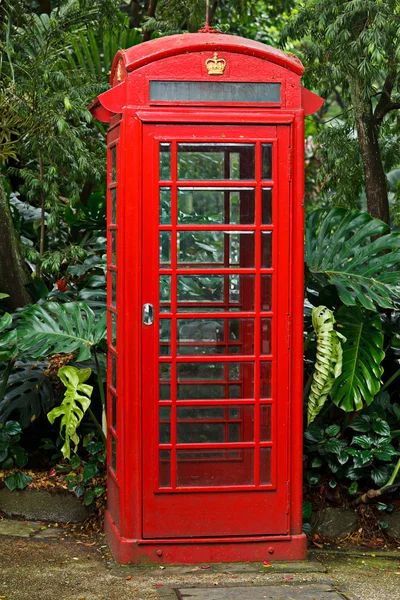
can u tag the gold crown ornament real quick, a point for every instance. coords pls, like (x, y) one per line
(215, 65)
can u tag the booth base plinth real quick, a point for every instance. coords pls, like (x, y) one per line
(199, 550)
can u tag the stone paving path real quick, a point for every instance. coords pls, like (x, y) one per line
(38, 562)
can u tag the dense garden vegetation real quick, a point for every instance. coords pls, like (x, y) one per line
(55, 58)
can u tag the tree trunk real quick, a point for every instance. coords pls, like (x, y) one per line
(368, 139)
(13, 272)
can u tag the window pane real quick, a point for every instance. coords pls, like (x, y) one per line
(213, 468)
(214, 336)
(114, 206)
(165, 425)
(165, 371)
(213, 91)
(266, 336)
(216, 205)
(218, 249)
(267, 206)
(209, 425)
(266, 423)
(113, 289)
(165, 468)
(114, 411)
(113, 164)
(165, 337)
(216, 161)
(114, 371)
(265, 466)
(266, 249)
(267, 161)
(165, 162)
(165, 293)
(114, 454)
(265, 380)
(204, 292)
(165, 205)
(203, 381)
(113, 247)
(266, 292)
(165, 248)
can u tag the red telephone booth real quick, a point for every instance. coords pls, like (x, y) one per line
(205, 300)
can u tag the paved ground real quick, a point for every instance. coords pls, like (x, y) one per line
(46, 565)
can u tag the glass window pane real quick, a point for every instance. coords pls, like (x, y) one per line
(165, 293)
(265, 380)
(266, 423)
(113, 289)
(266, 292)
(266, 336)
(203, 381)
(267, 206)
(114, 329)
(266, 249)
(113, 164)
(113, 247)
(165, 468)
(265, 466)
(198, 293)
(114, 454)
(165, 391)
(165, 162)
(114, 410)
(216, 161)
(213, 91)
(267, 161)
(165, 205)
(114, 206)
(165, 371)
(215, 468)
(218, 249)
(216, 205)
(209, 425)
(165, 337)
(114, 371)
(165, 248)
(214, 336)
(165, 425)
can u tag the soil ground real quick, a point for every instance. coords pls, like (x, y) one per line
(56, 564)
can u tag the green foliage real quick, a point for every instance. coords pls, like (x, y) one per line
(328, 363)
(363, 353)
(87, 477)
(73, 407)
(52, 328)
(12, 455)
(342, 248)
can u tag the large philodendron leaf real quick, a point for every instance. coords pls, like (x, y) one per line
(355, 252)
(60, 328)
(328, 363)
(73, 407)
(363, 353)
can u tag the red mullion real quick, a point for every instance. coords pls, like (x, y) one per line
(174, 297)
(257, 320)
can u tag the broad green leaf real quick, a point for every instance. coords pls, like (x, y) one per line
(363, 353)
(381, 427)
(53, 328)
(90, 470)
(328, 363)
(73, 407)
(380, 475)
(11, 482)
(12, 427)
(307, 510)
(357, 254)
(353, 488)
(361, 423)
(332, 430)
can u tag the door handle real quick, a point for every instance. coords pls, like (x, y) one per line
(148, 314)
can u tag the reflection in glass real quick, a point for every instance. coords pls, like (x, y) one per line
(165, 248)
(203, 381)
(165, 391)
(267, 161)
(216, 161)
(165, 337)
(216, 248)
(114, 371)
(165, 371)
(266, 249)
(165, 293)
(113, 247)
(213, 335)
(265, 466)
(114, 206)
(113, 164)
(265, 423)
(165, 425)
(266, 292)
(266, 336)
(114, 454)
(113, 289)
(165, 205)
(212, 289)
(209, 468)
(165, 162)
(265, 379)
(114, 411)
(266, 206)
(114, 329)
(165, 468)
(216, 205)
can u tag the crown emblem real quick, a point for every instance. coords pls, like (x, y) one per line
(215, 65)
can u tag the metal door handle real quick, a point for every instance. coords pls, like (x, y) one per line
(148, 314)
